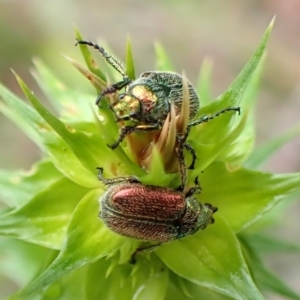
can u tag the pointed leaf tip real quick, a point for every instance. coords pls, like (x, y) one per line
(77, 33)
(272, 22)
(15, 74)
(269, 30)
(130, 70)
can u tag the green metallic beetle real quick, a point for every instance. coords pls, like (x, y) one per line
(146, 100)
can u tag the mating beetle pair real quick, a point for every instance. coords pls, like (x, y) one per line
(146, 212)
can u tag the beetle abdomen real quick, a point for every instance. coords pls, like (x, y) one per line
(170, 84)
(139, 228)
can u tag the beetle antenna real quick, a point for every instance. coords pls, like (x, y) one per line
(109, 58)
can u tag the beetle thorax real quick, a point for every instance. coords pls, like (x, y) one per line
(147, 98)
(196, 217)
(153, 98)
(127, 108)
(205, 217)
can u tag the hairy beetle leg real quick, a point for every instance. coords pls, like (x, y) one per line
(205, 119)
(124, 131)
(106, 181)
(193, 153)
(129, 129)
(112, 89)
(141, 250)
(181, 160)
(197, 189)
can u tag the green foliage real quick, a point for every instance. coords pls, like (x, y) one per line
(51, 212)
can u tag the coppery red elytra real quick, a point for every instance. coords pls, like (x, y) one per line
(152, 213)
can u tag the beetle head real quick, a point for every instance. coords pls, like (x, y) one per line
(205, 216)
(127, 108)
(197, 216)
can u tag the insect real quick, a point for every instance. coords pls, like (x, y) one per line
(146, 100)
(152, 213)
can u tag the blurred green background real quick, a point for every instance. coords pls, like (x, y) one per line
(227, 32)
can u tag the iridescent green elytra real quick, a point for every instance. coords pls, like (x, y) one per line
(146, 100)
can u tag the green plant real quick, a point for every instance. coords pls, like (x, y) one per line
(50, 223)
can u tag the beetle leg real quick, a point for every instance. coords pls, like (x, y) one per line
(208, 118)
(181, 139)
(129, 129)
(182, 166)
(140, 250)
(194, 190)
(124, 131)
(203, 119)
(193, 153)
(106, 181)
(113, 89)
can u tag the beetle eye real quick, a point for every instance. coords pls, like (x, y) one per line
(133, 115)
(121, 96)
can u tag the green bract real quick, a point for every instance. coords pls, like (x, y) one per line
(50, 223)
